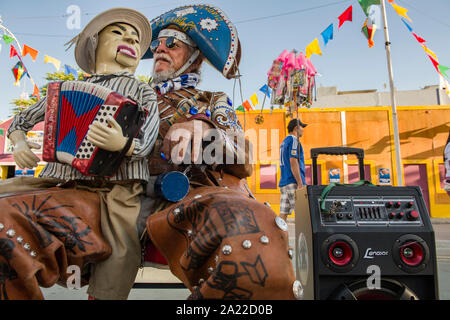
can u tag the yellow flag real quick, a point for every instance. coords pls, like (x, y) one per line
(400, 11)
(254, 99)
(431, 53)
(54, 61)
(313, 47)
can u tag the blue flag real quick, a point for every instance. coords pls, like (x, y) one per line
(407, 25)
(70, 70)
(327, 34)
(265, 89)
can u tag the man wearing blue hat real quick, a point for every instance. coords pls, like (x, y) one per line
(220, 241)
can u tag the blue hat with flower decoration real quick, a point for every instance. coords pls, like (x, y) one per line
(216, 37)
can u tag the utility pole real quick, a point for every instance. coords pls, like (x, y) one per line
(398, 158)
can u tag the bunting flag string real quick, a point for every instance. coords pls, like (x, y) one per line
(313, 47)
(327, 34)
(19, 70)
(254, 100)
(441, 69)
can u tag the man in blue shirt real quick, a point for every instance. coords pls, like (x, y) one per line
(292, 165)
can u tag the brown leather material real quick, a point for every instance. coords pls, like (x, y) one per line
(61, 227)
(193, 236)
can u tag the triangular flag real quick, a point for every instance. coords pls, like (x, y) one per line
(247, 105)
(429, 52)
(443, 69)
(313, 47)
(345, 16)
(435, 63)
(406, 24)
(70, 70)
(418, 38)
(28, 50)
(13, 52)
(266, 90)
(400, 11)
(7, 39)
(254, 99)
(36, 92)
(240, 108)
(327, 34)
(2, 132)
(53, 61)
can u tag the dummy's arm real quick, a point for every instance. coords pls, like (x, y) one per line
(23, 155)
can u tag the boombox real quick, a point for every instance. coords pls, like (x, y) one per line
(363, 242)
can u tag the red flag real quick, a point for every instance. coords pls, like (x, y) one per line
(36, 92)
(247, 105)
(33, 53)
(345, 16)
(435, 63)
(418, 38)
(13, 52)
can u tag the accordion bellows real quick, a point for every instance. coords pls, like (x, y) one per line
(72, 106)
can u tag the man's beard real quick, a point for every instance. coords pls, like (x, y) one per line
(166, 74)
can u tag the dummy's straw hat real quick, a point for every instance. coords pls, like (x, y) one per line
(86, 41)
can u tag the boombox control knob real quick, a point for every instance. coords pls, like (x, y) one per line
(389, 204)
(401, 215)
(397, 204)
(410, 204)
(392, 215)
(413, 215)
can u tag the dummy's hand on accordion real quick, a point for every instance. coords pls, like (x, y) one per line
(23, 156)
(110, 137)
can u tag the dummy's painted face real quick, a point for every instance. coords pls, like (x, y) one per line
(118, 49)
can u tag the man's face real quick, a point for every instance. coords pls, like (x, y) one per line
(118, 49)
(166, 61)
(298, 131)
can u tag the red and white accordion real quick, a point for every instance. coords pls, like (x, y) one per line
(71, 108)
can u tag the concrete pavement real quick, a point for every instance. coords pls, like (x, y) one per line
(442, 236)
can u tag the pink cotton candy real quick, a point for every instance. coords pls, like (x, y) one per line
(311, 69)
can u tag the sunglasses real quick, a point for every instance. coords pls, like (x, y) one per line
(171, 42)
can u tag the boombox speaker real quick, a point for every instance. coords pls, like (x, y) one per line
(363, 242)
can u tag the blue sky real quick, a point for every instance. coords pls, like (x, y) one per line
(265, 28)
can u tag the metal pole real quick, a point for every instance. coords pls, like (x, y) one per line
(398, 159)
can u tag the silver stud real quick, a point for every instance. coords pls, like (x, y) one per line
(27, 246)
(246, 244)
(264, 240)
(176, 211)
(2, 226)
(210, 270)
(267, 204)
(19, 239)
(33, 254)
(10, 233)
(290, 253)
(190, 233)
(216, 259)
(297, 288)
(201, 281)
(226, 249)
(225, 187)
(198, 196)
(281, 224)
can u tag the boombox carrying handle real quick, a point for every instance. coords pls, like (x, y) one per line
(337, 151)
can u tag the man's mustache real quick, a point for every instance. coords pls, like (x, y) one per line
(163, 56)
